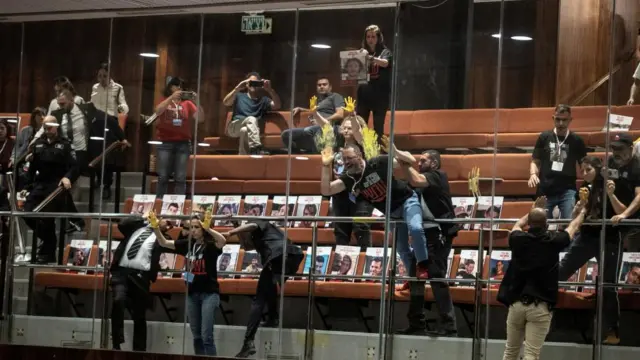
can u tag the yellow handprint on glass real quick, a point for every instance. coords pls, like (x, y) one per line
(313, 103)
(153, 220)
(206, 222)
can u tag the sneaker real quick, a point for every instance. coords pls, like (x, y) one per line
(421, 272)
(412, 330)
(611, 337)
(248, 349)
(45, 259)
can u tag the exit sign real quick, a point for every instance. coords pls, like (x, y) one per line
(256, 24)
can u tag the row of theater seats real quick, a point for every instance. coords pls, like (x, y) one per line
(465, 128)
(257, 175)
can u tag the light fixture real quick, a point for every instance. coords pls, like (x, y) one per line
(302, 158)
(204, 144)
(149, 55)
(521, 38)
(497, 36)
(97, 138)
(321, 46)
(154, 142)
(256, 156)
(12, 121)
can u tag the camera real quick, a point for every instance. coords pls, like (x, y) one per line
(256, 83)
(188, 95)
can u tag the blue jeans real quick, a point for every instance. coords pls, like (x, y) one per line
(411, 213)
(565, 203)
(172, 158)
(201, 309)
(301, 138)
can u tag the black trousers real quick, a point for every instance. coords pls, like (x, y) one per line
(132, 295)
(437, 268)
(368, 103)
(104, 177)
(266, 294)
(45, 228)
(586, 246)
(343, 206)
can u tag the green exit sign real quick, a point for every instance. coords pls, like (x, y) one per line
(256, 24)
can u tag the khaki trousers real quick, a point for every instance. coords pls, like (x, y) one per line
(529, 323)
(247, 131)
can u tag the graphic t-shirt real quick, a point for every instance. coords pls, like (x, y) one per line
(174, 124)
(627, 180)
(203, 259)
(558, 158)
(371, 185)
(244, 106)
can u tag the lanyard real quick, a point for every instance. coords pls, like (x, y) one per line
(177, 110)
(558, 143)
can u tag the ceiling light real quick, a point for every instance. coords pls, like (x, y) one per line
(497, 36)
(149, 55)
(302, 158)
(321, 46)
(521, 38)
(154, 142)
(204, 144)
(97, 138)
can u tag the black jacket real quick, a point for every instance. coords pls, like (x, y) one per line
(52, 161)
(127, 227)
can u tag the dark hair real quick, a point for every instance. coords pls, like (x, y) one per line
(313, 207)
(68, 94)
(37, 111)
(596, 191)
(563, 109)
(434, 155)
(6, 125)
(175, 205)
(469, 262)
(376, 259)
(320, 258)
(103, 66)
(253, 73)
(353, 60)
(380, 44)
(174, 81)
(323, 77)
(355, 148)
(64, 83)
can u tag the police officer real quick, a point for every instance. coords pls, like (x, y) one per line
(53, 164)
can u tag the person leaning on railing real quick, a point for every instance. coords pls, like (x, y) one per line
(530, 286)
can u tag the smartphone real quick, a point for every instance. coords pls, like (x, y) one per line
(256, 83)
(188, 95)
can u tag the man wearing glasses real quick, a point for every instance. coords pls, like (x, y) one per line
(553, 164)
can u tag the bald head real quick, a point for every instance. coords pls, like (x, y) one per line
(50, 125)
(538, 218)
(49, 119)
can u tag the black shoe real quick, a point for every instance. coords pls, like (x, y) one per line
(248, 349)
(75, 226)
(412, 330)
(106, 193)
(258, 150)
(270, 323)
(44, 259)
(442, 333)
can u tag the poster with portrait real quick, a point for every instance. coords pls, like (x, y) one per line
(320, 263)
(401, 270)
(280, 206)
(79, 253)
(468, 267)
(102, 250)
(373, 260)
(463, 208)
(574, 278)
(331, 213)
(172, 205)
(307, 206)
(251, 263)
(353, 68)
(591, 275)
(630, 269)
(167, 262)
(255, 205)
(201, 204)
(142, 204)
(498, 265)
(488, 208)
(227, 205)
(618, 123)
(228, 259)
(345, 260)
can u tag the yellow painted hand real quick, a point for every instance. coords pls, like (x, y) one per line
(327, 156)
(206, 222)
(474, 181)
(584, 195)
(313, 103)
(385, 143)
(350, 105)
(153, 219)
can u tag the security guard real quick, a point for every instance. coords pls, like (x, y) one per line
(53, 164)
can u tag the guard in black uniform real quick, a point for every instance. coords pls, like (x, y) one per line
(53, 164)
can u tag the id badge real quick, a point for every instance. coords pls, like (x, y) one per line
(557, 166)
(352, 197)
(177, 122)
(188, 277)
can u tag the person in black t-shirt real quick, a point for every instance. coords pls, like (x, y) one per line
(367, 180)
(201, 246)
(373, 97)
(433, 185)
(553, 164)
(530, 287)
(270, 243)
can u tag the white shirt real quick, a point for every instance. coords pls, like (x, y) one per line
(110, 98)
(142, 260)
(77, 124)
(636, 75)
(53, 105)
